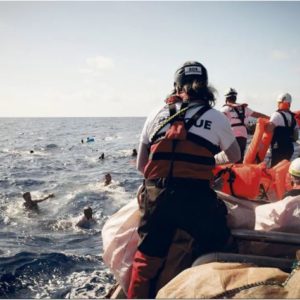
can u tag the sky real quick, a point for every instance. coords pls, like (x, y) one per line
(107, 59)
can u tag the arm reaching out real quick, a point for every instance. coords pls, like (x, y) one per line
(231, 155)
(43, 199)
(256, 114)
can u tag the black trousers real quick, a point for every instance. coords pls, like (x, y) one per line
(242, 141)
(281, 152)
(190, 205)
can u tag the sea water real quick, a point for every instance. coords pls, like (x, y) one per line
(44, 255)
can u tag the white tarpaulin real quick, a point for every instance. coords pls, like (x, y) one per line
(120, 240)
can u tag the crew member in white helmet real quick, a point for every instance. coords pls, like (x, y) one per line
(294, 172)
(285, 130)
(237, 115)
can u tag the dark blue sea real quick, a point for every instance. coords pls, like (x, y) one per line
(44, 255)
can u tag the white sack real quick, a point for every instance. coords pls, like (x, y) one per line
(120, 239)
(283, 216)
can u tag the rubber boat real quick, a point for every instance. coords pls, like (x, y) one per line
(266, 260)
(266, 252)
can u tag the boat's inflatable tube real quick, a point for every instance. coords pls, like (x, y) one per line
(273, 237)
(260, 143)
(284, 264)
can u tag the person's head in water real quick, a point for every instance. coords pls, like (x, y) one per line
(134, 152)
(230, 95)
(27, 197)
(88, 212)
(101, 156)
(107, 179)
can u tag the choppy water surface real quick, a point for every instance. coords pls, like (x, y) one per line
(44, 254)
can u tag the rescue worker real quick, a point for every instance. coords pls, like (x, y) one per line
(179, 146)
(285, 130)
(294, 173)
(237, 115)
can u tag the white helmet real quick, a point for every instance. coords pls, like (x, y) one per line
(230, 92)
(294, 168)
(286, 97)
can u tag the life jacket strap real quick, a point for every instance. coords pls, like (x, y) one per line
(230, 180)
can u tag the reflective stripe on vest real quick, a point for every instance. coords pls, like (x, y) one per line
(193, 158)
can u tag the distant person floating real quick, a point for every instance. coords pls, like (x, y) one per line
(33, 204)
(90, 139)
(82, 141)
(101, 156)
(285, 130)
(31, 151)
(107, 179)
(134, 153)
(237, 114)
(87, 219)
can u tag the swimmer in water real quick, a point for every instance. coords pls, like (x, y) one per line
(87, 219)
(134, 153)
(107, 179)
(33, 204)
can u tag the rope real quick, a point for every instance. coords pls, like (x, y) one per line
(231, 293)
(168, 121)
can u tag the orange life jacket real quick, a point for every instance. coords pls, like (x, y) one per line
(254, 181)
(280, 179)
(297, 117)
(260, 143)
(178, 152)
(240, 180)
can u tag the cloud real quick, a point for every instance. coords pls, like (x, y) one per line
(279, 55)
(96, 65)
(100, 63)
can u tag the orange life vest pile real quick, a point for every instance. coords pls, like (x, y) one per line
(253, 180)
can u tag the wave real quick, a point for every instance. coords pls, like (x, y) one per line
(29, 182)
(34, 275)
